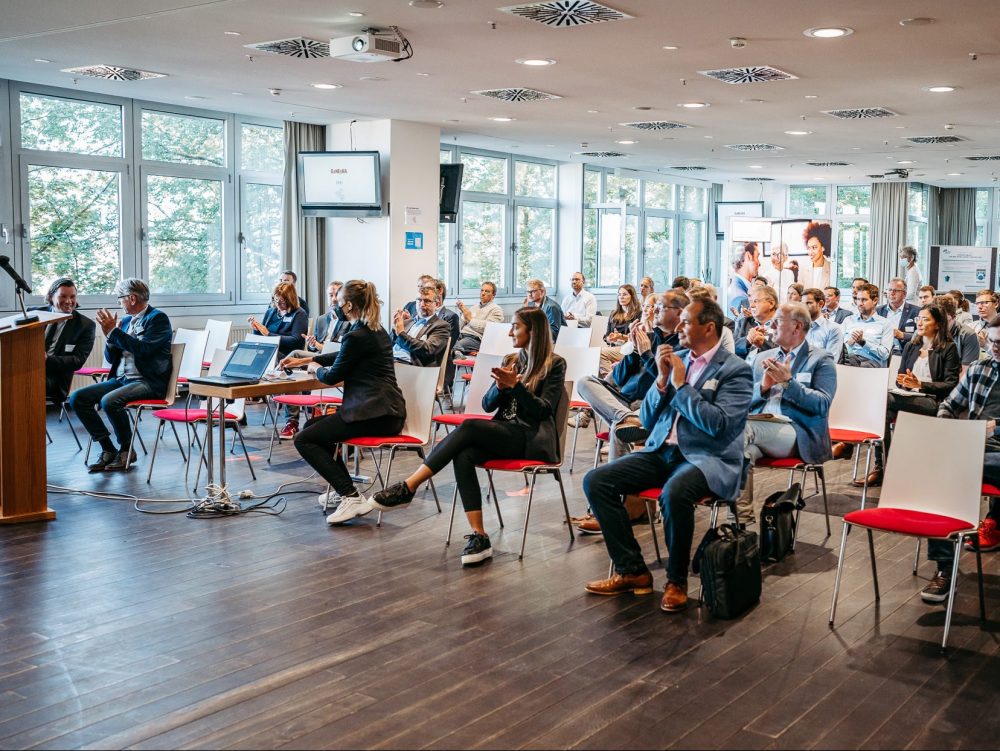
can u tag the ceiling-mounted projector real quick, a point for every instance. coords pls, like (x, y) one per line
(366, 48)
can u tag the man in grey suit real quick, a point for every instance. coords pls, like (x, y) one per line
(696, 413)
(423, 339)
(793, 385)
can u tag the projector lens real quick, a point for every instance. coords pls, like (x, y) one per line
(358, 44)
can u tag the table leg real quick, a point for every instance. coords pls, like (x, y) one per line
(209, 452)
(222, 443)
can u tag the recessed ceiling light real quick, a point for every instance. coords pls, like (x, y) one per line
(626, 143)
(502, 119)
(326, 85)
(431, 4)
(236, 93)
(955, 174)
(535, 62)
(811, 96)
(231, 33)
(819, 178)
(900, 127)
(371, 78)
(709, 137)
(755, 166)
(920, 21)
(694, 105)
(670, 47)
(593, 112)
(42, 60)
(798, 132)
(424, 75)
(828, 32)
(194, 97)
(939, 89)
(905, 161)
(355, 14)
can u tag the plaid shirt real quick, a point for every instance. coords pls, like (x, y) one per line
(973, 391)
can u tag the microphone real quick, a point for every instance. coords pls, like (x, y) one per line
(19, 283)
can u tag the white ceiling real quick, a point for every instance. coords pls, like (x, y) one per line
(610, 67)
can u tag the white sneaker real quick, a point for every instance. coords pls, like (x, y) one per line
(328, 499)
(350, 508)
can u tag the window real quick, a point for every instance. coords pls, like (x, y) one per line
(916, 224)
(108, 187)
(807, 200)
(983, 216)
(851, 230)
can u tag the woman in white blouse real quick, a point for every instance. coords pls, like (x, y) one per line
(816, 273)
(908, 260)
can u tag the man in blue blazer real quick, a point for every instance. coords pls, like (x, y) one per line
(793, 385)
(900, 314)
(696, 413)
(138, 349)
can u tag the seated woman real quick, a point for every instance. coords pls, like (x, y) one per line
(649, 312)
(795, 292)
(929, 370)
(525, 394)
(288, 321)
(627, 309)
(373, 404)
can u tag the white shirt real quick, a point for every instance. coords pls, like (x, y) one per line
(583, 306)
(817, 277)
(913, 284)
(778, 279)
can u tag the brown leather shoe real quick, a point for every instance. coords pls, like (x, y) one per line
(874, 479)
(589, 525)
(840, 450)
(637, 584)
(675, 598)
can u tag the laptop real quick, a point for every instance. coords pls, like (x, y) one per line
(248, 362)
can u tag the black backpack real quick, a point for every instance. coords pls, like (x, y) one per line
(777, 523)
(728, 561)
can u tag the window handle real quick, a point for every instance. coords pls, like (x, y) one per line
(142, 234)
(242, 239)
(4, 234)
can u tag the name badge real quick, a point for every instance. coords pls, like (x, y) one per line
(804, 377)
(711, 385)
(286, 319)
(70, 347)
(909, 329)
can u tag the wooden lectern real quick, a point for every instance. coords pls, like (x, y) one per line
(23, 493)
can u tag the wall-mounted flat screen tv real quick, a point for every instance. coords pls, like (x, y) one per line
(451, 191)
(340, 183)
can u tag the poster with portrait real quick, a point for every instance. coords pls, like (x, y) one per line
(807, 246)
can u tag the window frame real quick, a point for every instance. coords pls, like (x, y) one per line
(8, 200)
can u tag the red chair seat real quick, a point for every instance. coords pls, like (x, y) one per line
(376, 441)
(577, 404)
(513, 465)
(206, 363)
(466, 376)
(908, 522)
(148, 403)
(789, 462)
(307, 400)
(466, 363)
(92, 371)
(186, 415)
(653, 493)
(851, 436)
(604, 436)
(992, 490)
(458, 419)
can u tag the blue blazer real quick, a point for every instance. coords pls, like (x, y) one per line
(739, 293)
(555, 315)
(150, 346)
(711, 415)
(907, 323)
(805, 400)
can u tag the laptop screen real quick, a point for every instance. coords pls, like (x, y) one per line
(250, 360)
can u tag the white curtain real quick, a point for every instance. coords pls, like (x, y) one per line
(303, 239)
(888, 231)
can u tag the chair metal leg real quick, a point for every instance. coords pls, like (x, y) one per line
(274, 432)
(871, 554)
(916, 557)
(156, 445)
(651, 507)
(527, 513)
(451, 519)
(840, 571)
(47, 436)
(979, 574)
(131, 443)
(496, 498)
(246, 453)
(951, 593)
(857, 458)
(576, 433)
(86, 456)
(420, 453)
(864, 487)
(562, 492)
(178, 439)
(69, 422)
(826, 506)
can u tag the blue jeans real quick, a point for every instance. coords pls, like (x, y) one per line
(112, 396)
(943, 552)
(683, 486)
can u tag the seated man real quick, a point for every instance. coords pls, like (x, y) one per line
(925, 295)
(986, 307)
(696, 414)
(824, 333)
(579, 305)
(328, 327)
(753, 332)
(421, 340)
(289, 277)
(832, 309)
(977, 396)
(471, 335)
(537, 298)
(424, 280)
(794, 383)
(867, 336)
(138, 349)
(900, 315)
(68, 343)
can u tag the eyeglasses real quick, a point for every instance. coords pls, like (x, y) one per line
(994, 343)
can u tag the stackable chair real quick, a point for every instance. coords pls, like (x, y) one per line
(580, 362)
(218, 337)
(937, 498)
(857, 413)
(598, 328)
(195, 341)
(496, 341)
(572, 337)
(63, 412)
(530, 467)
(95, 374)
(479, 384)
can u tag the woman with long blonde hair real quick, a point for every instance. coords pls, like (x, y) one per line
(526, 392)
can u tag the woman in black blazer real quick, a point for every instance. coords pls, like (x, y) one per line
(526, 393)
(373, 404)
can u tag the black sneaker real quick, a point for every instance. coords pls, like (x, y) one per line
(393, 497)
(103, 461)
(938, 589)
(121, 462)
(477, 550)
(631, 434)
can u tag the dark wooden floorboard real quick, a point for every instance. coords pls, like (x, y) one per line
(128, 630)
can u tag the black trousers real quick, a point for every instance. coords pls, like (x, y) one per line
(316, 444)
(475, 442)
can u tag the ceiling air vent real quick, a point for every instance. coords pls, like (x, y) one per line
(516, 95)
(755, 74)
(600, 154)
(759, 179)
(827, 164)
(655, 125)
(687, 169)
(566, 13)
(113, 73)
(754, 147)
(934, 139)
(293, 47)
(864, 113)
(992, 158)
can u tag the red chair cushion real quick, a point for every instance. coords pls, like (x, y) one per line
(990, 489)
(206, 363)
(307, 400)
(376, 441)
(908, 522)
(92, 371)
(468, 363)
(458, 419)
(148, 403)
(651, 493)
(576, 404)
(851, 436)
(466, 376)
(654, 494)
(190, 415)
(604, 436)
(790, 462)
(513, 465)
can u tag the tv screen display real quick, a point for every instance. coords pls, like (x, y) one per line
(340, 183)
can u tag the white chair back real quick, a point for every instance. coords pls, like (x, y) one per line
(859, 402)
(572, 337)
(482, 379)
(176, 357)
(194, 342)
(935, 466)
(496, 339)
(894, 362)
(598, 328)
(580, 363)
(218, 335)
(419, 387)
(443, 367)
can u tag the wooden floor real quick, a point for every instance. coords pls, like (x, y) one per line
(120, 629)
